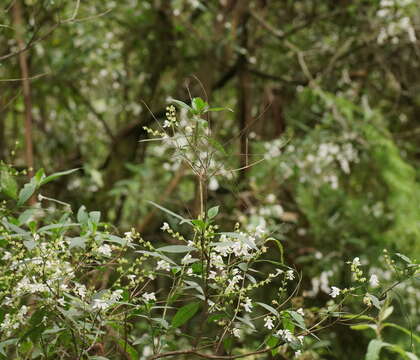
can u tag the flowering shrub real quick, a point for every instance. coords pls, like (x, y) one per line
(71, 288)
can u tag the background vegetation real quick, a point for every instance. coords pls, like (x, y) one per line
(323, 137)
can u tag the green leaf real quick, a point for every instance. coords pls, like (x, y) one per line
(95, 216)
(385, 313)
(82, 215)
(375, 301)
(271, 342)
(8, 184)
(361, 327)
(213, 212)
(176, 249)
(181, 104)
(374, 349)
(57, 226)
(184, 314)
(199, 105)
(215, 109)
(6, 343)
(132, 352)
(170, 212)
(158, 255)
(39, 176)
(77, 242)
(280, 247)
(27, 215)
(403, 257)
(269, 308)
(54, 176)
(27, 191)
(403, 329)
(200, 224)
(218, 146)
(299, 321)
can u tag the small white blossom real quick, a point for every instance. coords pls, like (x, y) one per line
(356, 261)
(247, 305)
(290, 275)
(116, 295)
(164, 265)
(149, 296)
(300, 311)
(301, 338)
(105, 250)
(269, 322)
(80, 290)
(165, 226)
(7, 255)
(373, 281)
(286, 335)
(100, 304)
(236, 333)
(186, 259)
(335, 291)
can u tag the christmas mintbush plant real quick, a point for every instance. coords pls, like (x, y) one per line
(72, 289)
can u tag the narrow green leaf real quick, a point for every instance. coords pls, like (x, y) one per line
(184, 314)
(374, 348)
(170, 212)
(176, 249)
(56, 175)
(215, 109)
(27, 191)
(8, 184)
(181, 104)
(213, 212)
(269, 308)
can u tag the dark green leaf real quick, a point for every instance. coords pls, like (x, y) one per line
(184, 314)
(8, 184)
(56, 175)
(176, 249)
(27, 191)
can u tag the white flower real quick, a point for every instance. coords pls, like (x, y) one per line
(335, 291)
(6, 255)
(298, 353)
(100, 304)
(373, 281)
(247, 305)
(116, 295)
(212, 274)
(259, 230)
(105, 250)
(61, 301)
(290, 275)
(300, 311)
(236, 332)
(356, 261)
(186, 259)
(301, 338)
(165, 226)
(269, 322)
(213, 184)
(149, 296)
(128, 234)
(286, 335)
(80, 290)
(164, 265)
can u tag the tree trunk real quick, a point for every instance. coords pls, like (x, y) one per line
(26, 87)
